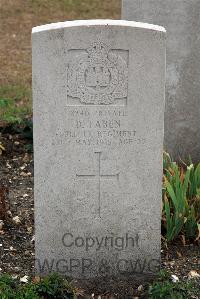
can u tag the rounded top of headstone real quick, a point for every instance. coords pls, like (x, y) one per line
(88, 23)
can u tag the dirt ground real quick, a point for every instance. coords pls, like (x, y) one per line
(16, 172)
(17, 234)
(17, 17)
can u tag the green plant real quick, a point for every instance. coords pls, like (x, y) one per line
(51, 287)
(25, 128)
(194, 182)
(166, 160)
(164, 288)
(55, 287)
(7, 287)
(27, 293)
(181, 199)
(15, 104)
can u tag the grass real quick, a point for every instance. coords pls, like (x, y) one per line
(81, 9)
(15, 104)
(49, 287)
(54, 286)
(163, 287)
(18, 17)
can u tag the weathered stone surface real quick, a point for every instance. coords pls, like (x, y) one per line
(182, 22)
(98, 93)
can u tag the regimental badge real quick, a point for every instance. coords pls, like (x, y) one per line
(98, 77)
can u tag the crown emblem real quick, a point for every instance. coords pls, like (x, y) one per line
(97, 50)
(100, 77)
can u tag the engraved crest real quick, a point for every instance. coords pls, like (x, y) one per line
(99, 76)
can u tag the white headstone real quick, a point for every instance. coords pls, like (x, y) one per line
(182, 22)
(98, 92)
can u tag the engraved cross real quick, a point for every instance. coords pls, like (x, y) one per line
(99, 176)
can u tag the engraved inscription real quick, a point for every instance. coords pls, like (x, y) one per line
(97, 127)
(98, 176)
(98, 77)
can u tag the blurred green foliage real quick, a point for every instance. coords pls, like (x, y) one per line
(164, 288)
(15, 104)
(181, 200)
(50, 287)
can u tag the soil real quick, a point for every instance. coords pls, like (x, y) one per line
(16, 163)
(17, 17)
(16, 172)
(17, 234)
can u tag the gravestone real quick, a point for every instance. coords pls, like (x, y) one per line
(182, 22)
(98, 94)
